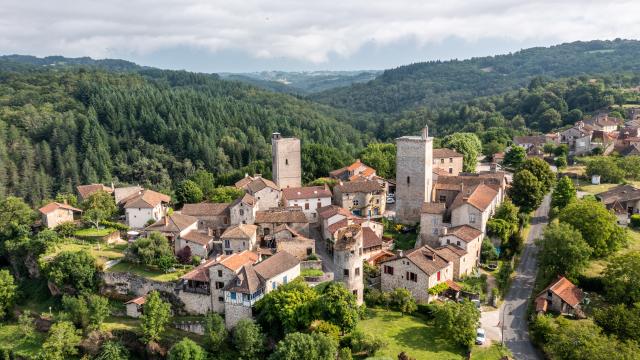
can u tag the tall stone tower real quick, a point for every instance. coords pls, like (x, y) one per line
(287, 170)
(348, 260)
(414, 176)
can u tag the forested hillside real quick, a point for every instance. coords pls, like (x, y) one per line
(60, 127)
(439, 83)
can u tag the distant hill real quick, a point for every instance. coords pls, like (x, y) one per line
(61, 61)
(444, 82)
(305, 82)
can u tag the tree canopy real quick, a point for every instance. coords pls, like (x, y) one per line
(563, 251)
(466, 144)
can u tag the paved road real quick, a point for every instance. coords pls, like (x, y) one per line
(514, 308)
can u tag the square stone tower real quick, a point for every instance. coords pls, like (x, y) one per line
(414, 175)
(287, 170)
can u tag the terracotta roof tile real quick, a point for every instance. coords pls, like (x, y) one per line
(427, 259)
(235, 261)
(176, 223)
(205, 209)
(464, 232)
(281, 215)
(246, 198)
(241, 231)
(86, 190)
(479, 197)
(197, 237)
(140, 300)
(445, 153)
(146, 199)
(276, 264)
(566, 290)
(366, 186)
(306, 192)
(370, 238)
(52, 206)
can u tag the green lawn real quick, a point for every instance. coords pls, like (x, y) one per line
(11, 338)
(91, 232)
(170, 335)
(597, 266)
(101, 252)
(411, 334)
(596, 189)
(148, 273)
(493, 352)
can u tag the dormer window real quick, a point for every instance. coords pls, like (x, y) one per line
(238, 282)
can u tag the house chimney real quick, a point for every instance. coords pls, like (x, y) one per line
(444, 231)
(425, 132)
(166, 220)
(400, 253)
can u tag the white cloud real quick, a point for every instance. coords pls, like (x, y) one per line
(310, 31)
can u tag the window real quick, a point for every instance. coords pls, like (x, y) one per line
(219, 285)
(226, 220)
(273, 285)
(442, 198)
(357, 271)
(388, 270)
(450, 160)
(232, 296)
(412, 276)
(227, 244)
(286, 161)
(377, 201)
(345, 272)
(442, 161)
(450, 170)
(355, 292)
(438, 275)
(284, 280)
(241, 212)
(309, 251)
(408, 180)
(448, 241)
(219, 273)
(458, 242)
(356, 202)
(220, 299)
(318, 205)
(306, 206)
(472, 218)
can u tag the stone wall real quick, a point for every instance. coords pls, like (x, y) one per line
(190, 326)
(123, 285)
(194, 303)
(234, 313)
(311, 264)
(413, 176)
(298, 247)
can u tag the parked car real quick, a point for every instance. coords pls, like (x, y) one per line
(480, 337)
(391, 200)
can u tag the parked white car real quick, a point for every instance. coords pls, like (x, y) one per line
(391, 200)
(480, 336)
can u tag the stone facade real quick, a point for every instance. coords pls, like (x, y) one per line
(448, 161)
(287, 168)
(418, 288)
(362, 203)
(414, 175)
(242, 212)
(298, 247)
(234, 313)
(348, 263)
(219, 276)
(267, 198)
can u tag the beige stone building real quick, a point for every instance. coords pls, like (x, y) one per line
(354, 171)
(287, 168)
(348, 260)
(144, 206)
(414, 175)
(362, 198)
(293, 217)
(309, 198)
(243, 210)
(252, 282)
(469, 240)
(474, 207)
(238, 238)
(448, 160)
(213, 218)
(182, 231)
(286, 239)
(416, 270)
(561, 297)
(54, 214)
(265, 192)
(135, 306)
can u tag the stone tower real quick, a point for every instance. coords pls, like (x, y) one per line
(348, 260)
(287, 170)
(414, 175)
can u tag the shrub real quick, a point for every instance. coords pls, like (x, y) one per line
(374, 297)
(195, 260)
(184, 255)
(114, 225)
(366, 343)
(426, 310)
(312, 257)
(635, 220)
(438, 289)
(327, 328)
(66, 229)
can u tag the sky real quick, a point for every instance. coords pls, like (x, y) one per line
(256, 35)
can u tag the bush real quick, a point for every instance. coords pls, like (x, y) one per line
(66, 229)
(426, 310)
(311, 272)
(312, 257)
(590, 284)
(374, 297)
(635, 221)
(114, 225)
(195, 260)
(184, 255)
(360, 342)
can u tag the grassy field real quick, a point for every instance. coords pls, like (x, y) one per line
(148, 273)
(101, 252)
(10, 337)
(493, 352)
(597, 266)
(596, 189)
(94, 232)
(169, 335)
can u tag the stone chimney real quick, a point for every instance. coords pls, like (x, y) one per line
(425, 132)
(444, 231)
(400, 253)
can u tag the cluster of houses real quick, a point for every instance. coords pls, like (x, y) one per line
(601, 131)
(268, 235)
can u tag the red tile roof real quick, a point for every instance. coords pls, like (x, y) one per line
(281, 215)
(365, 186)
(237, 260)
(306, 192)
(145, 199)
(566, 290)
(140, 300)
(370, 238)
(197, 237)
(464, 232)
(240, 231)
(86, 190)
(53, 206)
(445, 153)
(205, 209)
(479, 197)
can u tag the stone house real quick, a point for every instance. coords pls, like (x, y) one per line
(286, 162)
(202, 287)
(135, 306)
(416, 270)
(348, 258)
(474, 207)
(467, 239)
(144, 206)
(330, 215)
(243, 210)
(354, 171)
(252, 282)
(265, 192)
(309, 198)
(182, 231)
(54, 214)
(530, 142)
(561, 297)
(84, 191)
(213, 218)
(603, 123)
(371, 242)
(294, 217)
(286, 239)
(624, 196)
(448, 160)
(362, 198)
(238, 238)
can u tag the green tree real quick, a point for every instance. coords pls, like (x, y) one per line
(564, 193)
(597, 225)
(62, 341)
(76, 270)
(458, 320)
(508, 212)
(14, 214)
(215, 332)
(248, 339)
(561, 162)
(621, 279)
(526, 191)
(319, 159)
(381, 157)
(561, 150)
(402, 300)
(26, 325)
(188, 192)
(98, 207)
(607, 168)
(619, 320)
(563, 251)
(205, 181)
(541, 170)
(186, 349)
(548, 148)
(225, 194)
(488, 252)
(365, 343)
(150, 250)
(345, 354)
(289, 308)
(468, 145)
(98, 310)
(7, 292)
(514, 157)
(339, 306)
(315, 346)
(156, 315)
(549, 120)
(113, 350)
(77, 309)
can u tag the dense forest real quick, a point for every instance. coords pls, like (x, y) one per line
(439, 83)
(65, 126)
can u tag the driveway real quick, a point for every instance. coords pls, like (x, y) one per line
(514, 309)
